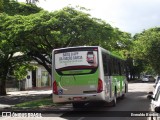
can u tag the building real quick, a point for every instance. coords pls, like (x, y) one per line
(38, 78)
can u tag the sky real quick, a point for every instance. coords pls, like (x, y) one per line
(131, 16)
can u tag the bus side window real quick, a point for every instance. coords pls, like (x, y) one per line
(109, 66)
(112, 66)
(119, 67)
(123, 68)
(104, 59)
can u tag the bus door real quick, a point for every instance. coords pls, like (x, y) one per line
(108, 86)
(107, 74)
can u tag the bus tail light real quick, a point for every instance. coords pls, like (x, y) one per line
(100, 86)
(55, 90)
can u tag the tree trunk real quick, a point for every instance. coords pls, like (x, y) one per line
(3, 87)
(3, 77)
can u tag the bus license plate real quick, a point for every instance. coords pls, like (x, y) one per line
(77, 98)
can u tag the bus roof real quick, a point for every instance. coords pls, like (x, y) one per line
(104, 50)
(76, 47)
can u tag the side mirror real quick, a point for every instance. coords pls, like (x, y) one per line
(157, 109)
(150, 97)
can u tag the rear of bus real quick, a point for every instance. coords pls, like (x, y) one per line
(76, 75)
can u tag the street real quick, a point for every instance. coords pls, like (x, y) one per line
(135, 101)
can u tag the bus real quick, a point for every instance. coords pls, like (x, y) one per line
(87, 74)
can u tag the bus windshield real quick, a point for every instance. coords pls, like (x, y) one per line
(76, 60)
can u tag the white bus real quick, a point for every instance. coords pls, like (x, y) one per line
(87, 74)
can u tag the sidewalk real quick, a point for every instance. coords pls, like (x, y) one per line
(29, 92)
(16, 97)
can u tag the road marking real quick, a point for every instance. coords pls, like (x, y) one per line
(81, 118)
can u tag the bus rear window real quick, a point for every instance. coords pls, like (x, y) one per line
(76, 60)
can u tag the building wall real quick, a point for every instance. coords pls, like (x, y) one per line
(38, 78)
(28, 83)
(43, 78)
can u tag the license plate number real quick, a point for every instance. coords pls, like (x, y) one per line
(77, 98)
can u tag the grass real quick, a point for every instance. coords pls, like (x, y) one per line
(36, 103)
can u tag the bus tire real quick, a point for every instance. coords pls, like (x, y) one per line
(123, 94)
(122, 97)
(126, 90)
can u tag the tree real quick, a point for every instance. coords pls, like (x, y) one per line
(1, 6)
(147, 48)
(7, 51)
(14, 8)
(8, 48)
(36, 35)
(20, 70)
(46, 31)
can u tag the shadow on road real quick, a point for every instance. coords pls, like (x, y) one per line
(134, 102)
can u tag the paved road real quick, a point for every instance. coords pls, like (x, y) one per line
(136, 100)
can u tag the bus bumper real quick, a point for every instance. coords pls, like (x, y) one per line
(78, 98)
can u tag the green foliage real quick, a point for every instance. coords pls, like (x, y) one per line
(147, 46)
(8, 39)
(1, 6)
(20, 70)
(45, 31)
(36, 35)
(13, 8)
